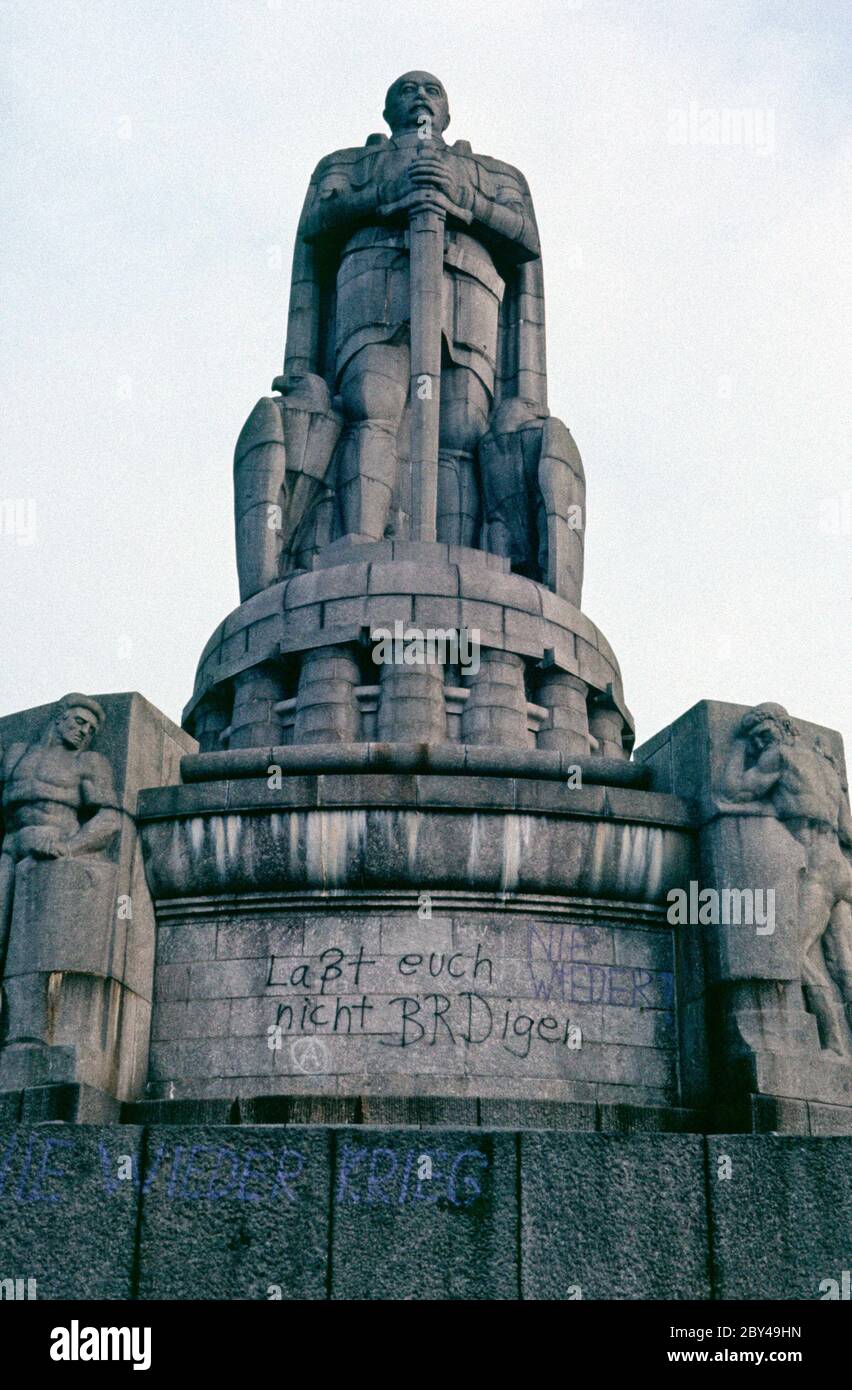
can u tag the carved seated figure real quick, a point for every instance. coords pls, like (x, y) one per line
(58, 798)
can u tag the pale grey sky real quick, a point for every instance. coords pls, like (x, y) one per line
(697, 278)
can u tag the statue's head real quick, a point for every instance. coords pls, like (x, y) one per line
(78, 720)
(767, 724)
(414, 97)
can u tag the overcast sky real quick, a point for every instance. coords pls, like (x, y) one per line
(689, 161)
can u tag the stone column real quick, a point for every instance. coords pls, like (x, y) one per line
(606, 724)
(567, 728)
(496, 712)
(326, 707)
(412, 706)
(211, 719)
(255, 722)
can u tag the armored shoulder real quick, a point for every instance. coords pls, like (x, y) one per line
(340, 161)
(498, 169)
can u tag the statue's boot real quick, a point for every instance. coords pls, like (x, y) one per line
(458, 498)
(366, 475)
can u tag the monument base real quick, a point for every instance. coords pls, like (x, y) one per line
(484, 938)
(323, 1212)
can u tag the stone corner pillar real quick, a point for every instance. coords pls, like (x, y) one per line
(748, 965)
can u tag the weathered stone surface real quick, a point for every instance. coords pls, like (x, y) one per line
(76, 919)
(765, 929)
(422, 1112)
(240, 1213)
(416, 577)
(451, 1235)
(295, 1210)
(67, 1217)
(379, 846)
(425, 592)
(255, 720)
(10, 1106)
(323, 1110)
(620, 1118)
(814, 1077)
(233, 767)
(360, 999)
(828, 1119)
(617, 1217)
(781, 1221)
(326, 708)
(179, 1112)
(79, 1104)
(541, 1114)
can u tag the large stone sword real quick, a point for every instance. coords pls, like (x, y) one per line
(426, 262)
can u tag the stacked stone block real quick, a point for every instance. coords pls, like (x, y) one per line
(329, 1210)
(567, 726)
(326, 707)
(255, 720)
(412, 705)
(311, 618)
(496, 710)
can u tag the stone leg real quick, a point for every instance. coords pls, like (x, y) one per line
(57, 974)
(373, 391)
(561, 510)
(326, 707)
(254, 722)
(837, 946)
(508, 468)
(821, 993)
(458, 499)
(465, 404)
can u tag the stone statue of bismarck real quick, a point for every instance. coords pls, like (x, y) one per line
(505, 473)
